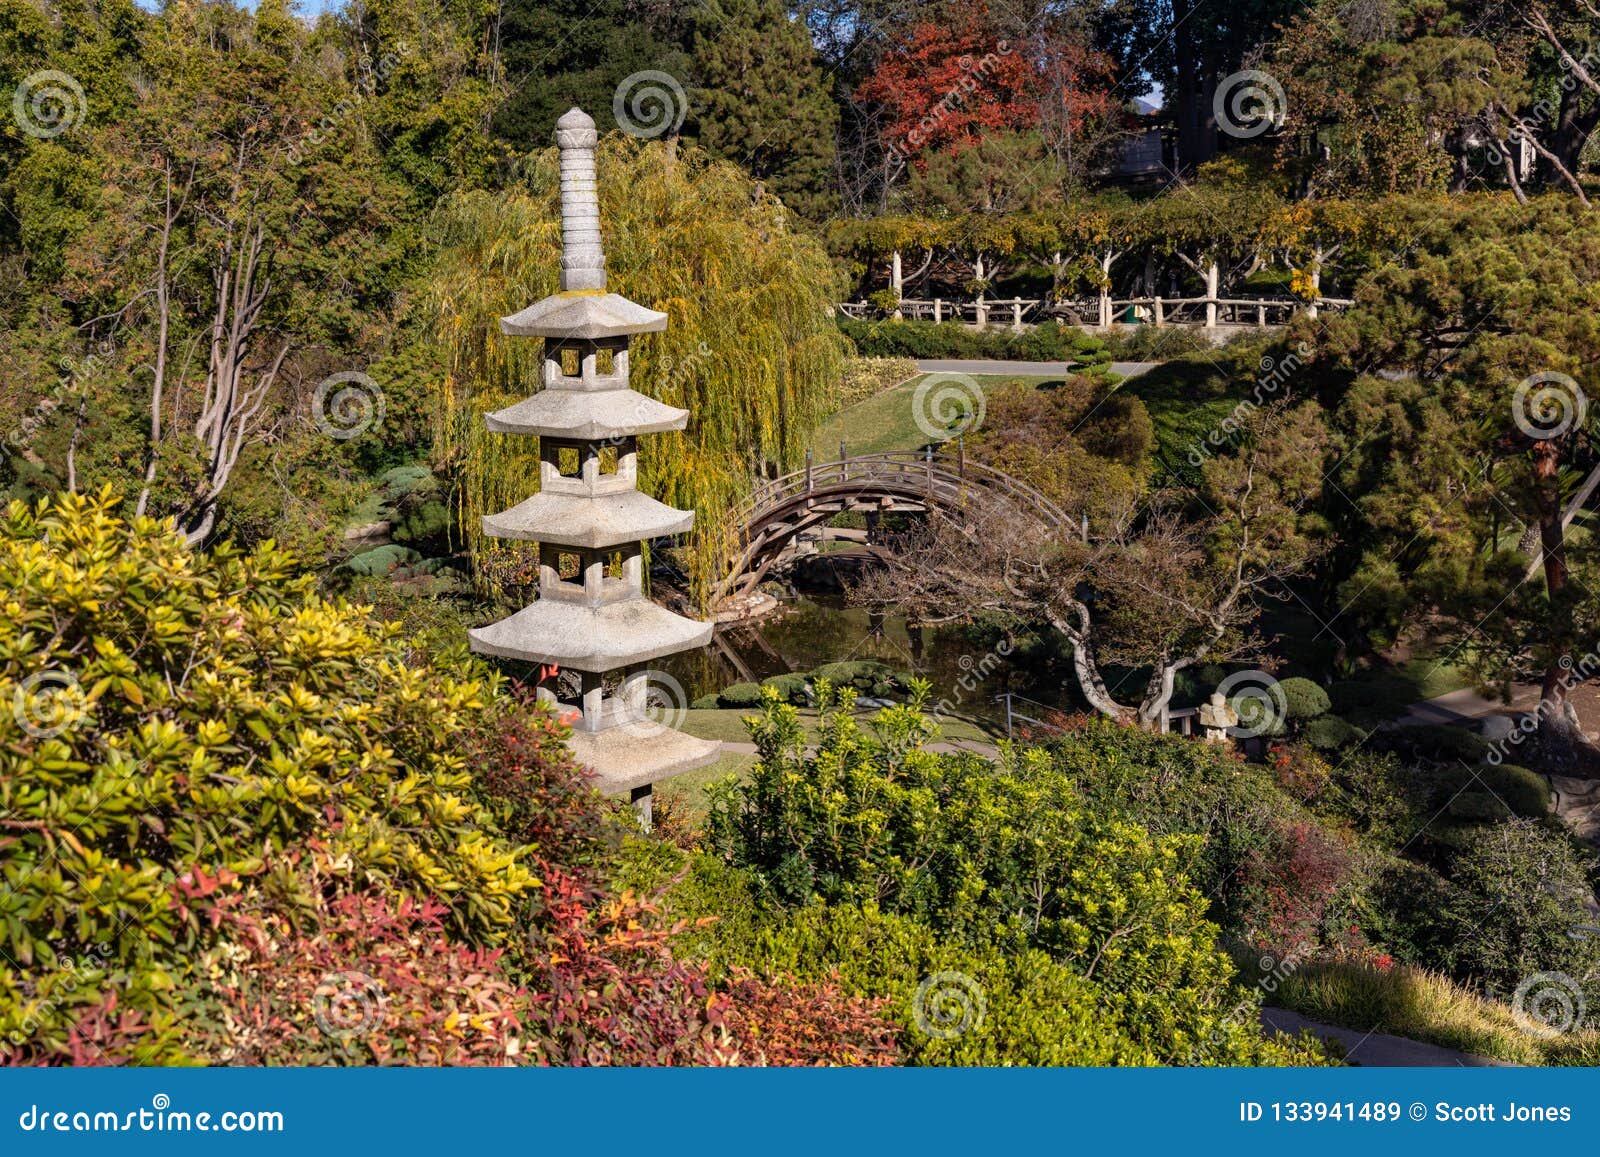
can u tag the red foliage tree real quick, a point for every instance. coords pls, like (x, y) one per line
(955, 79)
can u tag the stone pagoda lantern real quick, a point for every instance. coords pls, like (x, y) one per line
(588, 518)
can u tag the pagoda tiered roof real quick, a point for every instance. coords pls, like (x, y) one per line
(587, 415)
(584, 314)
(588, 638)
(592, 522)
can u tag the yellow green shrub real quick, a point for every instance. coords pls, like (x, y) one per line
(173, 723)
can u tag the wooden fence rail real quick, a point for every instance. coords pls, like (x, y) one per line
(1103, 312)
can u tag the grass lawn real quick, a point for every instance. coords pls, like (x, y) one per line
(887, 421)
(1421, 1005)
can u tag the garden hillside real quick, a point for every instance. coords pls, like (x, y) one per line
(245, 824)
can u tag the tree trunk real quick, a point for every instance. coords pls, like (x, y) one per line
(1559, 733)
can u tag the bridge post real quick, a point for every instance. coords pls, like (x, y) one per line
(809, 486)
(927, 468)
(1016, 315)
(961, 456)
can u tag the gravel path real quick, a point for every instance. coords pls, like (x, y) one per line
(1378, 1049)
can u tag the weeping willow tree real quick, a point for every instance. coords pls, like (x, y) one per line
(750, 350)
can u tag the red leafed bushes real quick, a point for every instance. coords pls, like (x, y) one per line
(608, 991)
(1291, 884)
(366, 978)
(811, 1024)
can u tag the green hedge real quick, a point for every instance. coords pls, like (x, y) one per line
(923, 339)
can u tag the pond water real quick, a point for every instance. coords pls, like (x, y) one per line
(968, 667)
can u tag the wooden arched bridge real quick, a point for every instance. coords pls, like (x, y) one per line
(899, 482)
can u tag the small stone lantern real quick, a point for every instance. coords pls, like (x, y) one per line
(589, 519)
(1216, 717)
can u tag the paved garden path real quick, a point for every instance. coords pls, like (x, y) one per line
(1377, 1049)
(1026, 369)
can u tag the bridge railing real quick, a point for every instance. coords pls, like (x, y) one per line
(940, 472)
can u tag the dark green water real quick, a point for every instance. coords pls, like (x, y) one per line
(968, 668)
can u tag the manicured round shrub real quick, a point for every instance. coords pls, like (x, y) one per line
(1438, 741)
(793, 688)
(1330, 733)
(1514, 790)
(706, 703)
(1303, 699)
(740, 695)
(865, 675)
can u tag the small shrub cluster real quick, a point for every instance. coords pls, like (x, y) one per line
(1011, 868)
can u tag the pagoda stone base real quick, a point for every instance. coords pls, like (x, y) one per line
(626, 758)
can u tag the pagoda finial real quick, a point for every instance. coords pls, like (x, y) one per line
(583, 261)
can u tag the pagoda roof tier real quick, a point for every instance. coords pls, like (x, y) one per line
(587, 415)
(583, 314)
(595, 521)
(590, 638)
(631, 756)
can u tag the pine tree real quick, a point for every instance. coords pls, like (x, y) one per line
(763, 101)
(559, 53)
